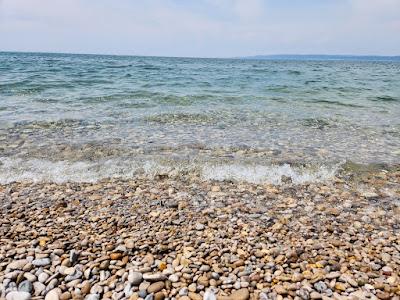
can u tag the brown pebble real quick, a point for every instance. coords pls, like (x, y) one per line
(156, 287)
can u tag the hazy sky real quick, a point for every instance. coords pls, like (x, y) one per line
(206, 28)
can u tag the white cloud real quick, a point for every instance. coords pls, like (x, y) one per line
(201, 27)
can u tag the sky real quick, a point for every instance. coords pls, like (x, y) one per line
(201, 28)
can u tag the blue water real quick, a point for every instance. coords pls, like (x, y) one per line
(91, 116)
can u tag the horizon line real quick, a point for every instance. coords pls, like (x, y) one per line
(210, 57)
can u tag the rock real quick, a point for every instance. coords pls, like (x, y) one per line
(86, 286)
(183, 291)
(38, 288)
(41, 262)
(155, 287)
(320, 286)
(386, 270)
(17, 264)
(25, 286)
(173, 278)
(92, 297)
(194, 296)
(129, 243)
(73, 257)
(279, 289)
(65, 296)
(14, 295)
(149, 297)
(303, 294)
(192, 287)
(76, 275)
(209, 295)
(159, 296)
(203, 280)
(154, 277)
(142, 294)
(242, 294)
(199, 227)
(315, 295)
(135, 278)
(54, 294)
(43, 277)
(116, 256)
(30, 277)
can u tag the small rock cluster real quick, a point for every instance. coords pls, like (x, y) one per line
(190, 239)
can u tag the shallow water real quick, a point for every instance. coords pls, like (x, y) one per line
(87, 117)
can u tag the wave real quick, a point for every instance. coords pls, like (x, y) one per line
(338, 103)
(384, 99)
(41, 170)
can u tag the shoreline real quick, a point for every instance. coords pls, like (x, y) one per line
(178, 238)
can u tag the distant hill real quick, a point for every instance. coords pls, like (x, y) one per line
(324, 57)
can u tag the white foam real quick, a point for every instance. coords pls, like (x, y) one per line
(269, 174)
(38, 170)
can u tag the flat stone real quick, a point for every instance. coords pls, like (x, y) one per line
(41, 262)
(242, 294)
(154, 277)
(17, 264)
(14, 295)
(92, 297)
(155, 287)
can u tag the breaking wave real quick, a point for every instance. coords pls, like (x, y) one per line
(40, 170)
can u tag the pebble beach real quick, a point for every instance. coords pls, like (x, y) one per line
(187, 238)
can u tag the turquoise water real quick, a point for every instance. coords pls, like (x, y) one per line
(86, 117)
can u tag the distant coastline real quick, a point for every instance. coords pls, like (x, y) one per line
(323, 57)
(338, 57)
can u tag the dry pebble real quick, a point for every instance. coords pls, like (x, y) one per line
(190, 239)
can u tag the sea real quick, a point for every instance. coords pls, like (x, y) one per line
(85, 118)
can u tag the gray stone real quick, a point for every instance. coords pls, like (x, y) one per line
(142, 294)
(25, 286)
(78, 274)
(41, 262)
(135, 278)
(320, 286)
(149, 297)
(154, 277)
(73, 256)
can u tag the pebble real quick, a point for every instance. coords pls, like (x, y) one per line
(242, 294)
(14, 295)
(258, 241)
(25, 286)
(135, 278)
(155, 287)
(54, 294)
(41, 262)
